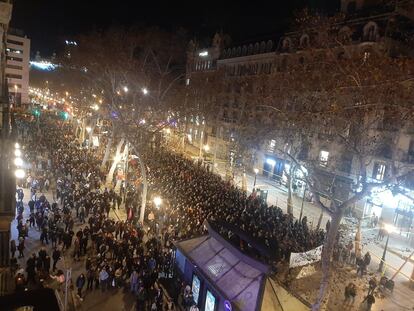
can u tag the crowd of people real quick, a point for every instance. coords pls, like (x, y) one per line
(194, 195)
(76, 226)
(120, 253)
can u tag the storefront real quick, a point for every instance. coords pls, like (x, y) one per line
(394, 208)
(273, 167)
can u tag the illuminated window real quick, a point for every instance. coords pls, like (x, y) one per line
(323, 157)
(272, 145)
(378, 172)
(187, 82)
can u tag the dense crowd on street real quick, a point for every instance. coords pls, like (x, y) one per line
(120, 253)
(76, 225)
(195, 195)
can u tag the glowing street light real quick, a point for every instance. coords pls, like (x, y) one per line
(88, 129)
(157, 202)
(17, 146)
(19, 173)
(125, 89)
(18, 162)
(145, 91)
(17, 153)
(206, 148)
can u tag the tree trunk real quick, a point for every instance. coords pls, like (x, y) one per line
(111, 172)
(91, 135)
(326, 258)
(289, 198)
(144, 189)
(82, 133)
(107, 151)
(319, 220)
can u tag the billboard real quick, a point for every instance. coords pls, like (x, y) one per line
(210, 304)
(195, 288)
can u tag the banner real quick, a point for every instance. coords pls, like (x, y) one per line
(306, 258)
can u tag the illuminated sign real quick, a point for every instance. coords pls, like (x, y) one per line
(227, 305)
(46, 66)
(195, 288)
(210, 304)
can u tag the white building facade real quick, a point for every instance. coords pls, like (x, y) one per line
(17, 67)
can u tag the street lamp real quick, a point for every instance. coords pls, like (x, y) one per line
(256, 171)
(144, 90)
(157, 202)
(125, 89)
(17, 153)
(17, 146)
(19, 173)
(18, 162)
(88, 129)
(388, 228)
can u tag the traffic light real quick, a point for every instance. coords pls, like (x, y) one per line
(36, 112)
(64, 115)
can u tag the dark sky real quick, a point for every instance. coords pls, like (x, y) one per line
(49, 22)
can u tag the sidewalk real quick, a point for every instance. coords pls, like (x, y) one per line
(397, 244)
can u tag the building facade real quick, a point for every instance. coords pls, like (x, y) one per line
(7, 179)
(17, 66)
(243, 75)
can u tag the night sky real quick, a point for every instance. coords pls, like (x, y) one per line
(49, 22)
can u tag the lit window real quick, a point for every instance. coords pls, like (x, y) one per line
(272, 145)
(204, 53)
(378, 172)
(187, 82)
(323, 157)
(271, 162)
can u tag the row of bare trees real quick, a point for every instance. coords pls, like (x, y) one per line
(352, 100)
(347, 99)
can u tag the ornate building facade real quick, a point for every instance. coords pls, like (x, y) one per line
(241, 77)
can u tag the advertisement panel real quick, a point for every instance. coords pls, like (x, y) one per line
(195, 288)
(210, 304)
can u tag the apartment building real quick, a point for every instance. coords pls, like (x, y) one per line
(17, 66)
(245, 70)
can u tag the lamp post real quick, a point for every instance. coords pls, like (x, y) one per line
(387, 228)
(157, 203)
(256, 171)
(303, 201)
(15, 94)
(206, 148)
(126, 170)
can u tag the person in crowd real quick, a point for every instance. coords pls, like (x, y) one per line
(21, 247)
(350, 293)
(13, 248)
(80, 283)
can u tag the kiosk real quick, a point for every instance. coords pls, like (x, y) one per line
(222, 278)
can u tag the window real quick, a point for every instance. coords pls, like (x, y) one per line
(378, 172)
(14, 67)
(272, 145)
(323, 157)
(187, 81)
